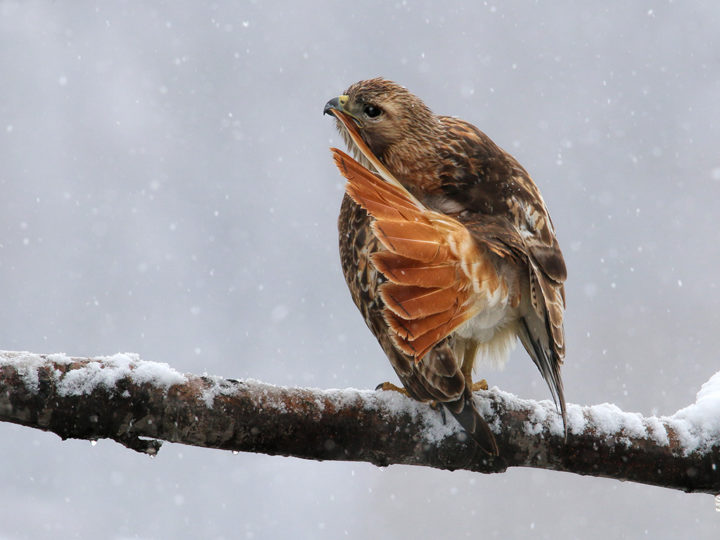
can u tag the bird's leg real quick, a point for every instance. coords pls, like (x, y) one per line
(469, 351)
(469, 354)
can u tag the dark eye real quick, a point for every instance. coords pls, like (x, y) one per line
(372, 111)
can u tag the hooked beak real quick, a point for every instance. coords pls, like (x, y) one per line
(332, 105)
(337, 105)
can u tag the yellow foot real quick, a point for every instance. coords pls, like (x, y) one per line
(480, 385)
(390, 386)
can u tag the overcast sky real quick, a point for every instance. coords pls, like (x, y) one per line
(168, 190)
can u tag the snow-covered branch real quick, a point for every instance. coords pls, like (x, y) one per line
(136, 402)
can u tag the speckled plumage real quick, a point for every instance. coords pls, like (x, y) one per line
(497, 254)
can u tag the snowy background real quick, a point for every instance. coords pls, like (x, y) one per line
(167, 189)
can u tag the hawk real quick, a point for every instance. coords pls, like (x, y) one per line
(447, 248)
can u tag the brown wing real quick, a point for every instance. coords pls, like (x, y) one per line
(503, 207)
(438, 276)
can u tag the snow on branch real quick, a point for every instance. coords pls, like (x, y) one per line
(138, 403)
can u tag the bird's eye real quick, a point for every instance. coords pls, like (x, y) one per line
(372, 111)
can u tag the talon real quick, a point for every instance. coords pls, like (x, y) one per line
(388, 386)
(480, 385)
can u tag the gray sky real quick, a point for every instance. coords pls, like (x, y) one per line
(168, 190)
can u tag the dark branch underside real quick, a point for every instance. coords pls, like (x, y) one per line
(382, 428)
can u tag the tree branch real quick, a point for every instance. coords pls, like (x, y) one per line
(136, 403)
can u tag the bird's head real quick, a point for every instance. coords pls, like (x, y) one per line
(384, 114)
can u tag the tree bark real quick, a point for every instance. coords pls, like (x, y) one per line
(139, 403)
